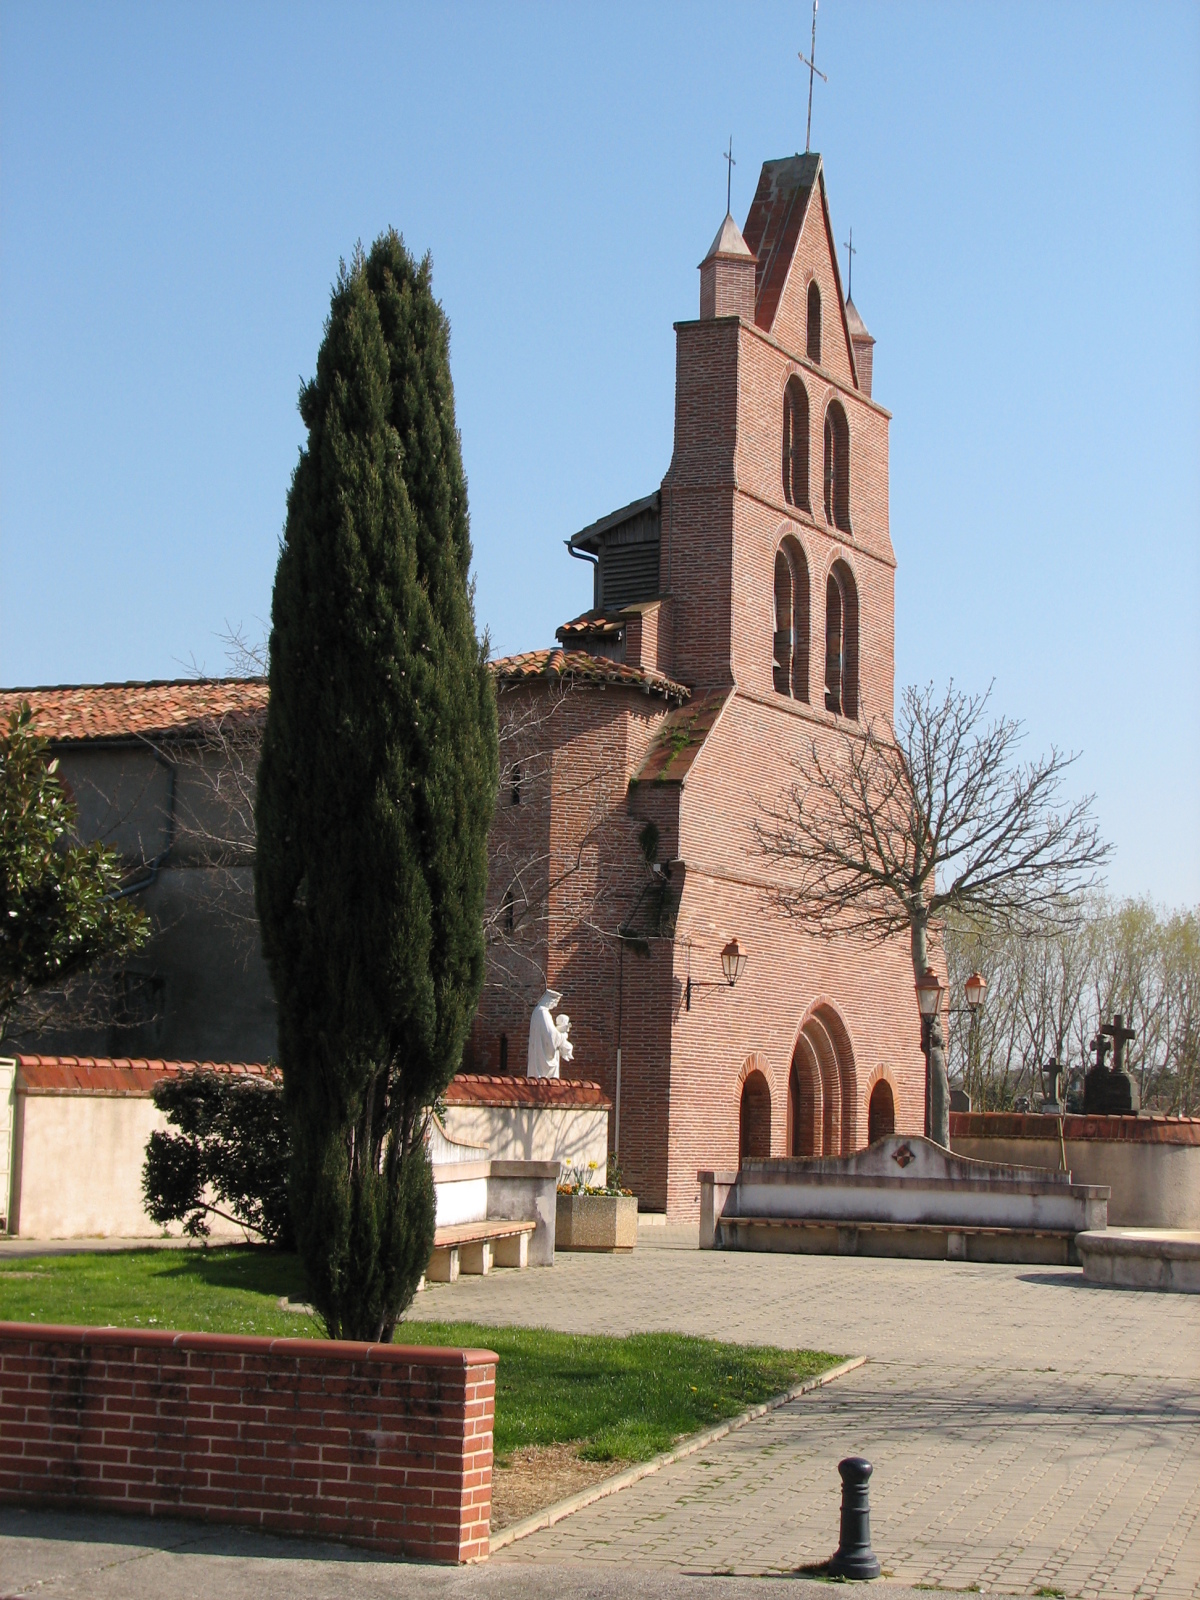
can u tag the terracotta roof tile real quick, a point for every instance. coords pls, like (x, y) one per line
(155, 709)
(124, 710)
(121, 1075)
(475, 1089)
(579, 667)
(681, 738)
(592, 625)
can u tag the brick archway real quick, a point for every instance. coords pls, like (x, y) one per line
(822, 1117)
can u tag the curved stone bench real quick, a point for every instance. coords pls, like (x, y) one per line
(1141, 1258)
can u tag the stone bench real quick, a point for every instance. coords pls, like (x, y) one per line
(1142, 1258)
(913, 1240)
(477, 1247)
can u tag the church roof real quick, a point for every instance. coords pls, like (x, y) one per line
(127, 710)
(773, 226)
(729, 242)
(576, 666)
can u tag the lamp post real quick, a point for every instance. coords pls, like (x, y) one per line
(975, 988)
(929, 994)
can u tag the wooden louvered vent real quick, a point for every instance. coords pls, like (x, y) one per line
(628, 572)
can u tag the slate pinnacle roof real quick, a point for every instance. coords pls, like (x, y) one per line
(578, 667)
(858, 328)
(729, 242)
(130, 710)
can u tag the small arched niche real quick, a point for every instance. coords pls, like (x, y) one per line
(881, 1112)
(754, 1118)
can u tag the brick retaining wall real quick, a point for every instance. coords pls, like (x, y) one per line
(387, 1446)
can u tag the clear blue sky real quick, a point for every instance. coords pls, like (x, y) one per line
(177, 184)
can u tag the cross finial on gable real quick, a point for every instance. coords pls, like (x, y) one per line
(810, 61)
(851, 252)
(729, 177)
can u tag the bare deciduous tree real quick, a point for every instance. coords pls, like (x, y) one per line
(886, 831)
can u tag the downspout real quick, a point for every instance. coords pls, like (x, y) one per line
(586, 555)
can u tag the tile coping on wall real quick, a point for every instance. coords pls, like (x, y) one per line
(697, 1441)
(249, 1344)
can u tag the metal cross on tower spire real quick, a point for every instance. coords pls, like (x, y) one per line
(851, 252)
(810, 61)
(729, 175)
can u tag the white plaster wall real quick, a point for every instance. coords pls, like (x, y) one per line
(1153, 1185)
(460, 1198)
(572, 1136)
(77, 1168)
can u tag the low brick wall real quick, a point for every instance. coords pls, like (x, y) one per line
(386, 1446)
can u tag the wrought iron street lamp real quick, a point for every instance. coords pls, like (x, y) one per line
(733, 964)
(929, 994)
(975, 988)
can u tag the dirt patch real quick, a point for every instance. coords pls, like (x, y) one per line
(539, 1475)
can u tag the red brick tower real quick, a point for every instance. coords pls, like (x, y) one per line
(748, 605)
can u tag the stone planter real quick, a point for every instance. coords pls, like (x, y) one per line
(596, 1222)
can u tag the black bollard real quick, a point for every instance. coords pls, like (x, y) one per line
(855, 1558)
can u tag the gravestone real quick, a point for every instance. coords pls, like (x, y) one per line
(1110, 1093)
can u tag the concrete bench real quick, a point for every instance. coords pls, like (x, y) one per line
(477, 1247)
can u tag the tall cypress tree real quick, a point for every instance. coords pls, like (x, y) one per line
(375, 789)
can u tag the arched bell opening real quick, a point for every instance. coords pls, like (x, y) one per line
(754, 1120)
(881, 1112)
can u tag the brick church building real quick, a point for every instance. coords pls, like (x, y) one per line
(741, 610)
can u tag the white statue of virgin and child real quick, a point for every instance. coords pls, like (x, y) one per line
(549, 1042)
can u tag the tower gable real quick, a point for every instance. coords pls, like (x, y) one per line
(789, 232)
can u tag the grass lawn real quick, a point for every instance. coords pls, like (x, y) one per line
(617, 1399)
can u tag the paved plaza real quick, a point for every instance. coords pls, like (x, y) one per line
(1027, 1432)
(1029, 1435)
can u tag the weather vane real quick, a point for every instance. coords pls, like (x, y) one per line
(729, 175)
(810, 61)
(851, 252)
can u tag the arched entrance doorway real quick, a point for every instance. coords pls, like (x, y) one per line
(822, 1089)
(881, 1112)
(754, 1119)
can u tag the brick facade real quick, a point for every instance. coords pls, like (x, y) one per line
(385, 1446)
(817, 1023)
